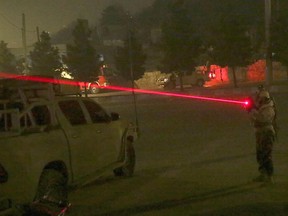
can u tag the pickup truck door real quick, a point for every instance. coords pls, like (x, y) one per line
(93, 139)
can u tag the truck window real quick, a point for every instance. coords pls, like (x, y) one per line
(9, 119)
(25, 121)
(41, 115)
(5, 121)
(97, 114)
(73, 112)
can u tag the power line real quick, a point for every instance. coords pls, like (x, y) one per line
(8, 21)
(13, 24)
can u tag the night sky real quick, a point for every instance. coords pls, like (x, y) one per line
(51, 15)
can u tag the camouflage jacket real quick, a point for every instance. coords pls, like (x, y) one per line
(263, 117)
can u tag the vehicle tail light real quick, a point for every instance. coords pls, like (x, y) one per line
(212, 75)
(3, 175)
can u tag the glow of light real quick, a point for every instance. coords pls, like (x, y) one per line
(119, 88)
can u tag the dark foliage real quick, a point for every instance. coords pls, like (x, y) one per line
(180, 44)
(7, 59)
(130, 59)
(81, 57)
(45, 58)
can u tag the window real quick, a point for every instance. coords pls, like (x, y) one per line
(41, 115)
(73, 112)
(9, 120)
(5, 121)
(9, 116)
(96, 113)
(25, 121)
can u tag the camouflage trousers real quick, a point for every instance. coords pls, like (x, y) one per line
(264, 147)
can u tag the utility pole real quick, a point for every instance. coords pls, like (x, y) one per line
(269, 68)
(24, 44)
(38, 35)
(130, 47)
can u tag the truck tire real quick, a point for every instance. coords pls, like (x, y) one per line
(53, 186)
(170, 85)
(129, 165)
(94, 89)
(200, 82)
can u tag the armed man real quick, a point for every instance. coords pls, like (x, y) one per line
(263, 116)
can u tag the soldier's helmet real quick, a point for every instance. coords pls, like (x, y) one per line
(263, 98)
(261, 87)
(264, 94)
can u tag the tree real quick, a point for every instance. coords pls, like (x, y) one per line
(279, 38)
(113, 15)
(81, 57)
(180, 44)
(231, 44)
(7, 59)
(45, 58)
(130, 56)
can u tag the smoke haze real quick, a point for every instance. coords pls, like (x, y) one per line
(52, 15)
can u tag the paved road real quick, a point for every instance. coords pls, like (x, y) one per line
(193, 158)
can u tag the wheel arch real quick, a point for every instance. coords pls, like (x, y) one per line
(126, 137)
(57, 165)
(126, 156)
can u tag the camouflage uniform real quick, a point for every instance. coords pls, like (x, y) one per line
(262, 117)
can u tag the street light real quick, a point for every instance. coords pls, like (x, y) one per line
(269, 68)
(130, 47)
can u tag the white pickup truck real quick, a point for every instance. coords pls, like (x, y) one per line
(48, 143)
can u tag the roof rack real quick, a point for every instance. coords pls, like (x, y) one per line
(16, 99)
(25, 91)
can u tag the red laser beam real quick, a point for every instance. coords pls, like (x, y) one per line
(175, 95)
(119, 88)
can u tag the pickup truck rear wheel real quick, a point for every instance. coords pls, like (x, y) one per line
(52, 187)
(200, 82)
(129, 162)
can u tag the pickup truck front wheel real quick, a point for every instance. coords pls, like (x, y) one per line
(51, 195)
(129, 162)
(52, 187)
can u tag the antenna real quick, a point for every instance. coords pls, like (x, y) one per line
(24, 43)
(132, 71)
